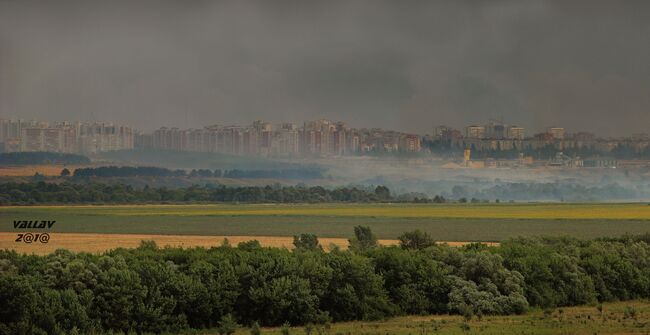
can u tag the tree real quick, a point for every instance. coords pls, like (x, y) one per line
(439, 199)
(38, 177)
(249, 245)
(415, 240)
(364, 239)
(307, 242)
(18, 304)
(65, 172)
(227, 325)
(382, 192)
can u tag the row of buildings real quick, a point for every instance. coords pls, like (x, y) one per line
(321, 138)
(497, 136)
(65, 137)
(495, 130)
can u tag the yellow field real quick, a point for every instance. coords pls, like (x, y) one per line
(613, 211)
(96, 243)
(30, 170)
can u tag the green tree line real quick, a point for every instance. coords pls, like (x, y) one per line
(73, 193)
(156, 290)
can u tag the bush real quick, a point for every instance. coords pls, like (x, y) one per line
(227, 325)
(255, 329)
(285, 329)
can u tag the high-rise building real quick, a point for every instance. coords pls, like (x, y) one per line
(98, 137)
(516, 133)
(476, 132)
(557, 132)
(32, 139)
(410, 143)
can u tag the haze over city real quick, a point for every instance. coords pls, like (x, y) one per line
(399, 65)
(324, 167)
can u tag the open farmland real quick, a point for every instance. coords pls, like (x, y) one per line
(446, 222)
(97, 243)
(30, 170)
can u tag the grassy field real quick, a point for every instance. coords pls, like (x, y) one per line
(449, 222)
(576, 320)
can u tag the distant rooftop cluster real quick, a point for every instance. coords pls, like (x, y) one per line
(319, 138)
(64, 137)
(498, 136)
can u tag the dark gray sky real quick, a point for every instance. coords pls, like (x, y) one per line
(405, 65)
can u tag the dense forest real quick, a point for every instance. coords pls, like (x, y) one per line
(126, 171)
(147, 171)
(155, 290)
(89, 191)
(95, 193)
(41, 158)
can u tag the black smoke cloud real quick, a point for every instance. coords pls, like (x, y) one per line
(405, 65)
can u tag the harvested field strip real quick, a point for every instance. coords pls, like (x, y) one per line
(30, 170)
(96, 243)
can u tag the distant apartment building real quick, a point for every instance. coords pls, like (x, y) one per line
(516, 133)
(444, 133)
(477, 132)
(10, 129)
(65, 137)
(410, 143)
(32, 139)
(100, 137)
(11, 132)
(285, 142)
(556, 132)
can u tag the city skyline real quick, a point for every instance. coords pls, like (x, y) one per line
(316, 138)
(529, 131)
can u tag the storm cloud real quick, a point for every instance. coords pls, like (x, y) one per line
(405, 65)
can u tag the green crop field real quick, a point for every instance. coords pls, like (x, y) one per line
(446, 222)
